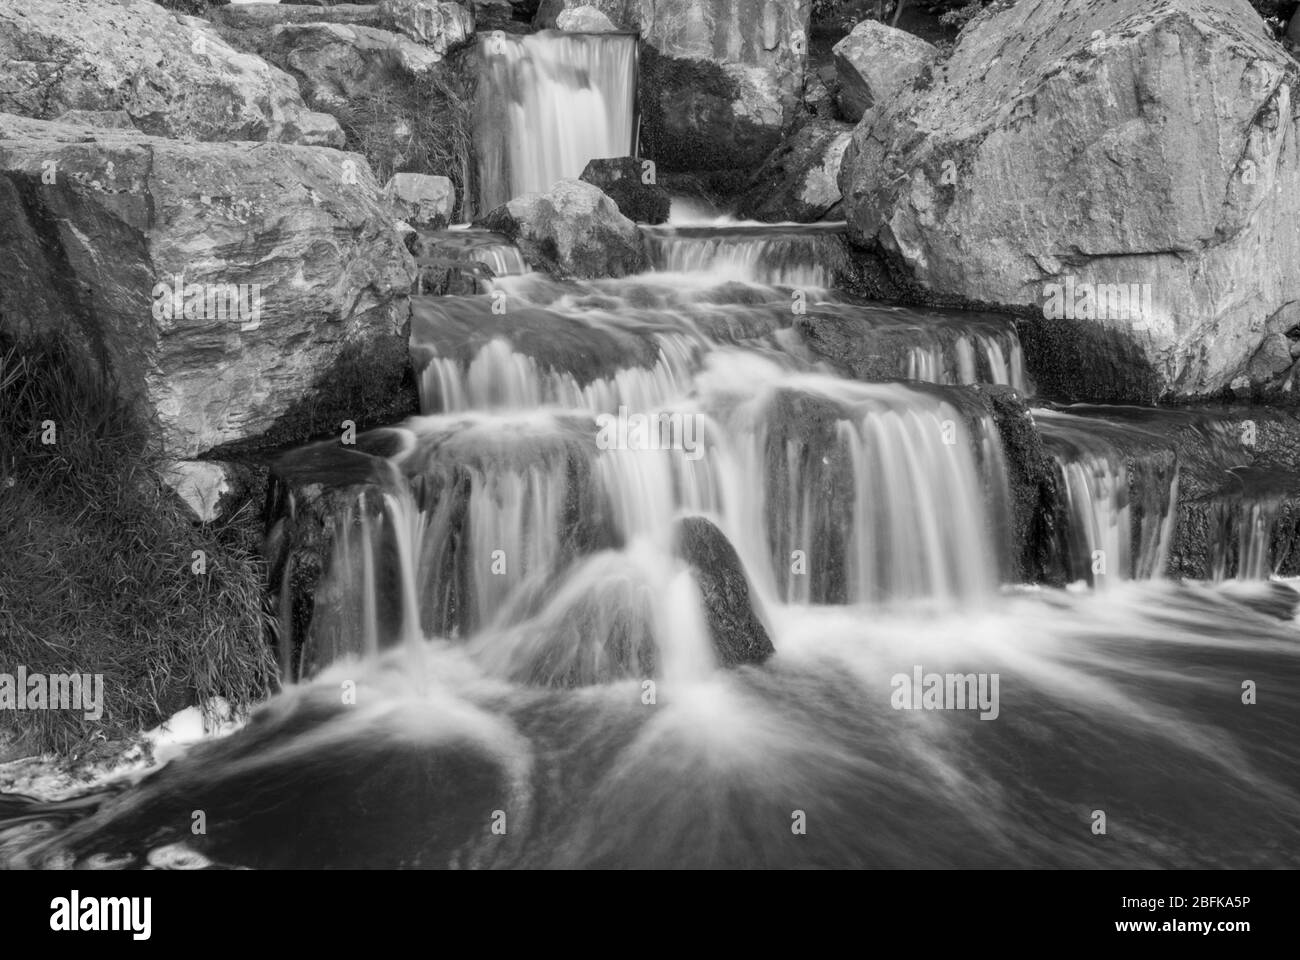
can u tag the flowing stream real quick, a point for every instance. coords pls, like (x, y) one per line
(510, 663)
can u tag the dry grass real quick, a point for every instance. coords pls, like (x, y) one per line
(412, 123)
(96, 562)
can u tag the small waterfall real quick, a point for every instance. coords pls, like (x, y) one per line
(548, 103)
(774, 255)
(1242, 535)
(501, 378)
(972, 356)
(1104, 505)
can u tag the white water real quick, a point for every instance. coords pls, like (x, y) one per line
(547, 104)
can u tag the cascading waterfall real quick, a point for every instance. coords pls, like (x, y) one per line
(1104, 507)
(548, 103)
(505, 587)
(803, 257)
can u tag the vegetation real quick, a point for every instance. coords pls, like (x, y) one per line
(96, 562)
(411, 123)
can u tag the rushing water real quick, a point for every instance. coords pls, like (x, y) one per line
(509, 663)
(547, 104)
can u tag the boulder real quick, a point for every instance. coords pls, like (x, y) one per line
(720, 81)
(874, 63)
(245, 16)
(800, 180)
(572, 230)
(200, 483)
(439, 24)
(738, 634)
(174, 75)
(336, 62)
(111, 119)
(1126, 172)
(584, 19)
(567, 14)
(620, 179)
(234, 291)
(421, 200)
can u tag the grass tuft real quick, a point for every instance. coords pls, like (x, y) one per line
(96, 558)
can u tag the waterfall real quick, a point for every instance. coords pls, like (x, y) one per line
(547, 104)
(805, 256)
(1116, 528)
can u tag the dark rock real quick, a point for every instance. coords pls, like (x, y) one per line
(620, 179)
(290, 275)
(572, 230)
(799, 181)
(739, 636)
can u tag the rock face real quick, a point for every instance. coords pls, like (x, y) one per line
(874, 63)
(1129, 171)
(441, 26)
(739, 636)
(233, 290)
(173, 75)
(721, 80)
(800, 181)
(337, 62)
(572, 230)
(584, 20)
(620, 179)
(421, 200)
(567, 14)
(265, 15)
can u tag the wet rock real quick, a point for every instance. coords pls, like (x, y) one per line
(337, 63)
(875, 63)
(420, 199)
(1272, 357)
(720, 82)
(174, 75)
(739, 636)
(618, 14)
(1164, 214)
(1032, 483)
(438, 24)
(799, 182)
(584, 19)
(620, 179)
(572, 230)
(291, 280)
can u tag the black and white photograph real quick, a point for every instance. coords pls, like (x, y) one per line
(650, 435)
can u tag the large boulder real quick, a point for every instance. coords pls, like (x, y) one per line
(800, 181)
(621, 179)
(337, 62)
(1126, 170)
(584, 19)
(621, 14)
(572, 230)
(874, 63)
(720, 81)
(738, 634)
(439, 24)
(233, 291)
(174, 75)
(421, 200)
